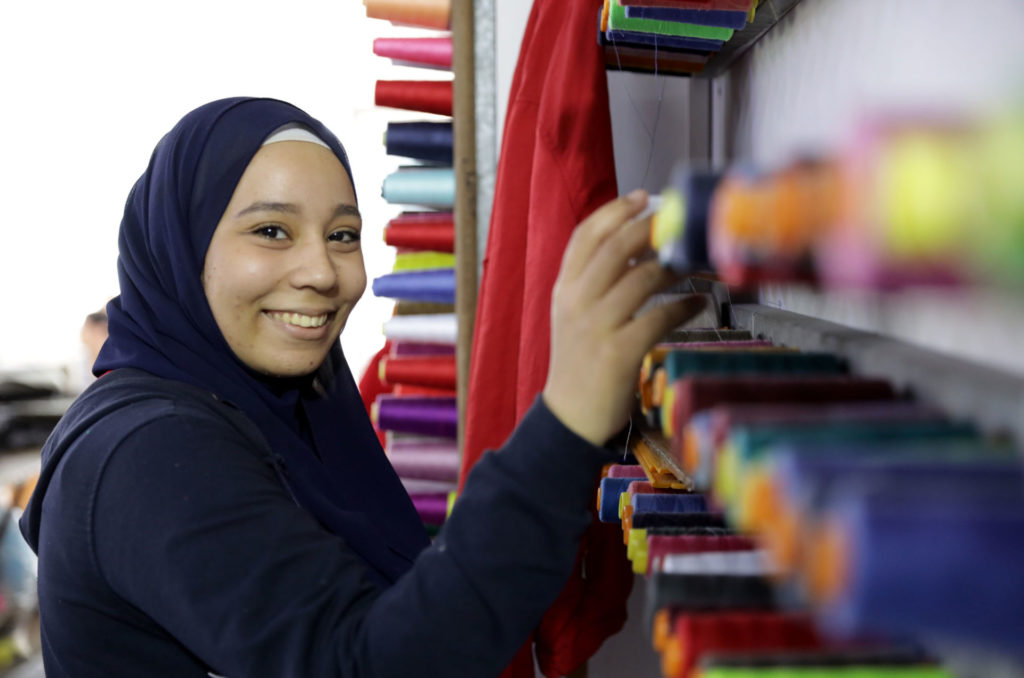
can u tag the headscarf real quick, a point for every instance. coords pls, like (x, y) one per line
(162, 323)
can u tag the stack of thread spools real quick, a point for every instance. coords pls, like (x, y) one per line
(906, 202)
(419, 416)
(794, 519)
(676, 37)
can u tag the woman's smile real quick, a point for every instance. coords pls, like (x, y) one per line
(284, 267)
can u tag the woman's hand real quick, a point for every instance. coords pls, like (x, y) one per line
(597, 345)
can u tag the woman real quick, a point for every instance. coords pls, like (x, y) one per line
(217, 502)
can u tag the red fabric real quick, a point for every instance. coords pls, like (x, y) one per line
(370, 386)
(556, 168)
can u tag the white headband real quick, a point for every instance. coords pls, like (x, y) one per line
(294, 132)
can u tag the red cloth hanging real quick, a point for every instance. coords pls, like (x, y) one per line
(371, 386)
(556, 167)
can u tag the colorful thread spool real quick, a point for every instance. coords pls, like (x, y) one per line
(692, 636)
(609, 494)
(932, 560)
(781, 508)
(679, 228)
(431, 371)
(401, 349)
(436, 328)
(659, 546)
(717, 5)
(433, 508)
(427, 141)
(422, 231)
(426, 96)
(691, 36)
(435, 52)
(701, 17)
(425, 13)
(427, 186)
(434, 462)
(748, 445)
(422, 416)
(423, 261)
(693, 394)
(436, 286)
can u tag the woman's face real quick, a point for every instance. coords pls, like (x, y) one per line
(284, 267)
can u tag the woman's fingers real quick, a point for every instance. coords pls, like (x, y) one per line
(633, 289)
(611, 261)
(595, 229)
(644, 331)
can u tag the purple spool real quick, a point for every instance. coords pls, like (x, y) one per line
(437, 285)
(433, 508)
(425, 465)
(423, 416)
(415, 348)
(932, 560)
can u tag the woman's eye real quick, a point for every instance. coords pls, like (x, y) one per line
(271, 232)
(344, 236)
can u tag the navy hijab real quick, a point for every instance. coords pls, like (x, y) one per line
(162, 323)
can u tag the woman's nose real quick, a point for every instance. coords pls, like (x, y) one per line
(313, 267)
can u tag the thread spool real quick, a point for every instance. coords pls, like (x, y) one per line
(679, 228)
(422, 416)
(693, 636)
(609, 492)
(438, 328)
(659, 546)
(618, 21)
(626, 471)
(843, 662)
(427, 186)
(425, 96)
(747, 445)
(427, 141)
(435, 52)
(422, 231)
(425, 464)
(693, 394)
(437, 286)
(702, 17)
(718, 5)
(798, 484)
(707, 592)
(433, 508)
(401, 349)
(680, 364)
(415, 486)
(887, 558)
(423, 261)
(424, 13)
(432, 371)
(708, 431)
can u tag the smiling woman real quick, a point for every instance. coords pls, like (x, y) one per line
(284, 267)
(217, 501)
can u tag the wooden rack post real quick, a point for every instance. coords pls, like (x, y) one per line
(464, 161)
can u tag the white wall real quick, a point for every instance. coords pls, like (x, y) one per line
(88, 90)
(830, 64)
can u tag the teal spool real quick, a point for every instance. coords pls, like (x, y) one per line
(427, 186)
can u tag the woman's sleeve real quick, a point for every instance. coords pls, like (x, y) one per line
(194, 529)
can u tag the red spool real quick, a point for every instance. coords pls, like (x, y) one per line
(427, 96)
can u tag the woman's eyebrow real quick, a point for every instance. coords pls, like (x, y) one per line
(346, 210)
(266, 206)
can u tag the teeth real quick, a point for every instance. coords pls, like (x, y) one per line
(301, 320)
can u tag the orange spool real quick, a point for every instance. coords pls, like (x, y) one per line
(425, 13)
